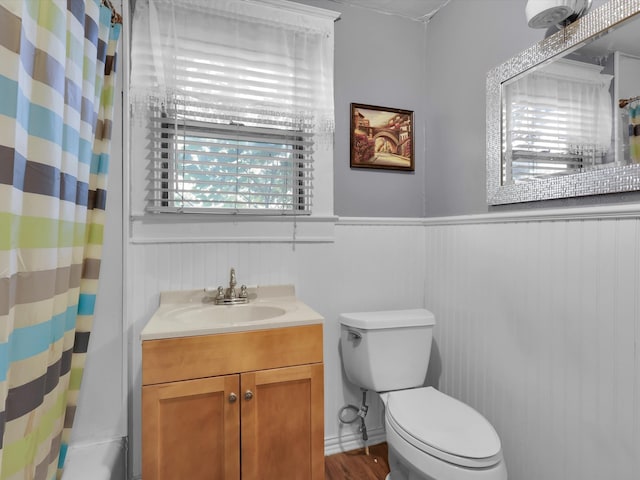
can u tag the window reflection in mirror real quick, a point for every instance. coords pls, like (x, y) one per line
(559, 120)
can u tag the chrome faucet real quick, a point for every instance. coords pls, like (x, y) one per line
(230, 296)
(231, 291)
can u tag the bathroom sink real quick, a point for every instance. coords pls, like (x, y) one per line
(233, 314)
(188, 313)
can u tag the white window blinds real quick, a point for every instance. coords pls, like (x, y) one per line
(236, 96)
(558, 121)
(200, 166)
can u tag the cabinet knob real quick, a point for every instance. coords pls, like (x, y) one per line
(232, 397)
(248, 395)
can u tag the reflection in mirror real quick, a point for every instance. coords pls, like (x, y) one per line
(563, 117)
(557, 121)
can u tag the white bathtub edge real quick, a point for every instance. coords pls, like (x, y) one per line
(104, 460)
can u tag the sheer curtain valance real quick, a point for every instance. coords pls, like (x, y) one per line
(255, 63)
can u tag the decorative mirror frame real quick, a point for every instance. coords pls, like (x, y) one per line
(613, 179)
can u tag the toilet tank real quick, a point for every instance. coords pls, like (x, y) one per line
(387, 350)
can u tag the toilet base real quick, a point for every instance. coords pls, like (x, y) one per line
(406, 462)
(401, 470)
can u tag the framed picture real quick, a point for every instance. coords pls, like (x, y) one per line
(381, 138)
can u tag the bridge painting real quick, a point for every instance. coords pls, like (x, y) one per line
(381, 138)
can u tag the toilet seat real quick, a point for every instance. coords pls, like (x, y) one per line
(443, 427)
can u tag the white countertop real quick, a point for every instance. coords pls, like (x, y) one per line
(184, 313)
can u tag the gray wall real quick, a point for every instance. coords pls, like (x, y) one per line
(379, 60)
(466, 39)
(438, 70)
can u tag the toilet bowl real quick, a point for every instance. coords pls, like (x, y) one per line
(431, 436)
(434, 436)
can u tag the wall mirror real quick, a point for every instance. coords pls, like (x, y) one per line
(563, 117)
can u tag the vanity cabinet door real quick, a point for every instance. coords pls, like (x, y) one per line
(190, 429)
(283, 423)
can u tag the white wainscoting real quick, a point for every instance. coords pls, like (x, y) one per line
(369, 266)
(538, 329)
(538, 323)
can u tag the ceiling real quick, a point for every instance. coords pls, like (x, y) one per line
(421, 10)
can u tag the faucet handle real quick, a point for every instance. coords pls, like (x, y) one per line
(211, 295)
(243, 291)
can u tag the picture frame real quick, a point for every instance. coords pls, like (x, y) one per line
(381, 138)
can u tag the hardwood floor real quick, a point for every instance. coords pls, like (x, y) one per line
(356, 465)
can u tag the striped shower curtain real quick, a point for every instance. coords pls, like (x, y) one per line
(57, 74)
(634, 131)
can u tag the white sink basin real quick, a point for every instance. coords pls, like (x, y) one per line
(183, 313)
(233, 314)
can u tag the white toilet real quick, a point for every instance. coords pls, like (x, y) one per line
(430, 435)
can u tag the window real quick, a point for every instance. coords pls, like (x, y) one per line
(236, 98)
(559, 121)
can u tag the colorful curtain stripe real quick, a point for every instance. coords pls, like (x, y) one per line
(634, 131)
(57, 76)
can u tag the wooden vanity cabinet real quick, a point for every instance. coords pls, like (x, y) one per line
(246, 405)
(190, 430)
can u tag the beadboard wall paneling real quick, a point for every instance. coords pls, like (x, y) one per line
(537, 324)
(367, 267)
(538, 328)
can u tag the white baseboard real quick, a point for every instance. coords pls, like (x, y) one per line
(98, 461)
(352, 441)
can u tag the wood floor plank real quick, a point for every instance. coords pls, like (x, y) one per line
(356, 465)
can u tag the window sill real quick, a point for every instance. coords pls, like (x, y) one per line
(198, 228)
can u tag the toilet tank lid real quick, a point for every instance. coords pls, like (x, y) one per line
(416, 317)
